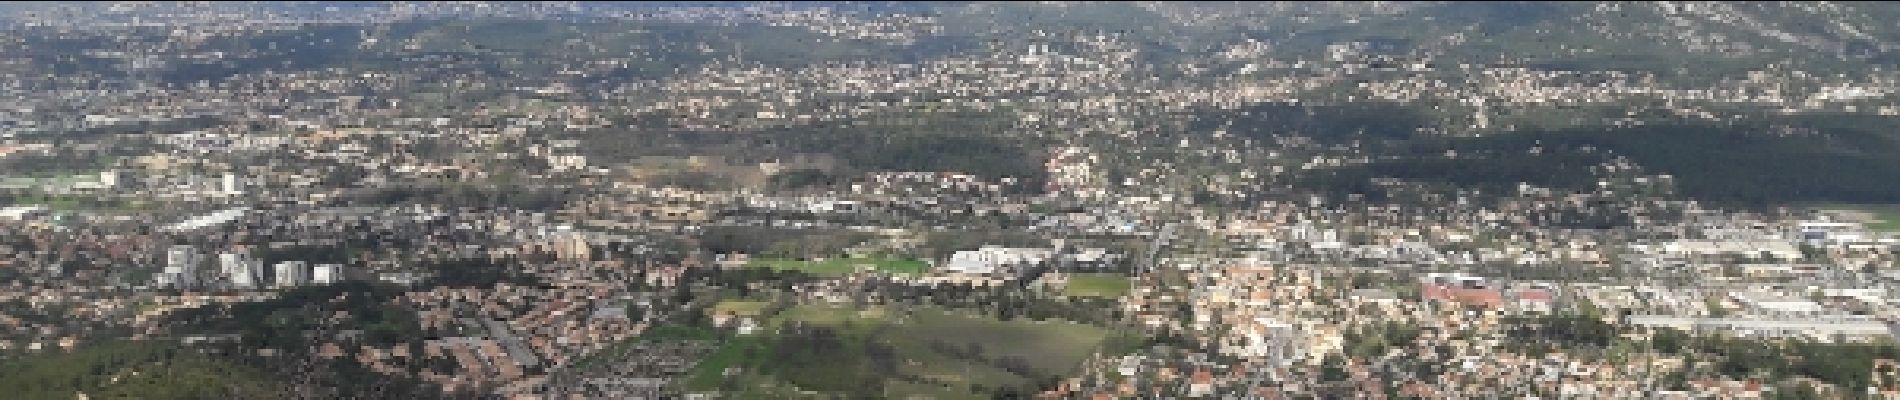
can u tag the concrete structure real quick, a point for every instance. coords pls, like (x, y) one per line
(232, 184)
(241, 270)
(209, 220)
(1819, 329)
(324, 274)
(292, 274)
(112, 178)
(181, 266)
(22, 213)
(991, 260)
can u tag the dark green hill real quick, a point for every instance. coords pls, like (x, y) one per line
(1832, 158)
(133, 370)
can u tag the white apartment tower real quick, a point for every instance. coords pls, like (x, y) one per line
(111, 178)
(243, 271)
(232, 184)
(325, 274)
(292, 274)
(181, 266)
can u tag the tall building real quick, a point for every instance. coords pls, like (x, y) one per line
(325, 274)
(112, 178)
(572, 246)
(243, 271)
(292, 274)
(232, 184)
(164, 280)
(181, 265)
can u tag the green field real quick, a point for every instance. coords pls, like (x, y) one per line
(679, 332)
(710, 371)
(1886, 217)
(831, 316)
(844, 266)
(1096, 285)
(930, 345)
(913, 390)
(1052, 346)
(654, 333)
(132, 370)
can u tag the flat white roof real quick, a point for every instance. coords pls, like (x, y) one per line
(208, 220)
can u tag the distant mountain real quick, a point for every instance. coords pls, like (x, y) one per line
(1658, 82)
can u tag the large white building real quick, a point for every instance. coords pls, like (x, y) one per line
(22, 213)
(232, 184)
(1837, 329)
(324, 274)
(112, 178)
(1684, 251)
(242, 271)
(209, 220)
(181, 266)
(991, 260)
(292, 274)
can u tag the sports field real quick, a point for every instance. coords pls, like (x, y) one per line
(1878, 217)
(844, 266)
(1096, 285)
(740, 308)
(937, 353)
